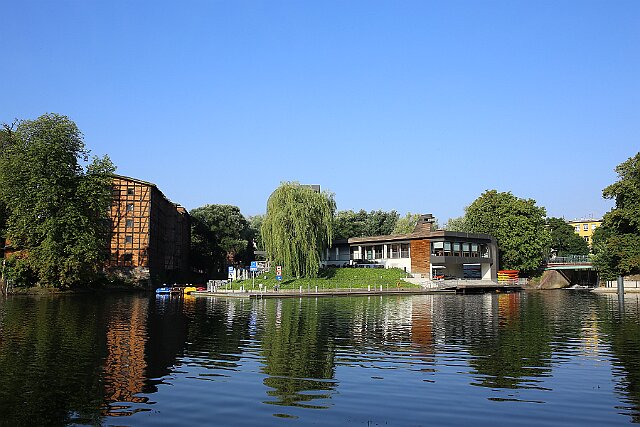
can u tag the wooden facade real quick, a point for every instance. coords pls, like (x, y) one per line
(150, 235)
(420, 256)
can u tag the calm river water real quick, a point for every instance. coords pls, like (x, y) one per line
(536, 358)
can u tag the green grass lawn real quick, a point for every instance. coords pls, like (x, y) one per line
(334, 278)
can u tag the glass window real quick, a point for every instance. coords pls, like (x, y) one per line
(127, 257)
(585, 227)
(128, 239)
(404, 250)
(377, 252)
(456, 249)
(447, 248)
(129, 207)
(474, 250)
(577, 227)
(466, 249)
(395, 250)
(130, 191)
(437, 248)
(129, 223)
(593, 226)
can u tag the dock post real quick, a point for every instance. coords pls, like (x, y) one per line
(620, 285)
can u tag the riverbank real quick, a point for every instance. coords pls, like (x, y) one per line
(329, 279)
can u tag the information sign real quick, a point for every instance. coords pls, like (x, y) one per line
(231, 271)
(279, 278)
(254, 266)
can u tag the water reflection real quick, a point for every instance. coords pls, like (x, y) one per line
(87, 360)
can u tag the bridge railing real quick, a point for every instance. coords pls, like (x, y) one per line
(570, 259)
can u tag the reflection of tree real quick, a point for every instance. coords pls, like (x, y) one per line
(519, 349)
(220, 332)
(298, 350)
(50, 351)
(167, 332)
(301, 339)
(622, 331)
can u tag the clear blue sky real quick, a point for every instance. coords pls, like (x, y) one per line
(413, 106)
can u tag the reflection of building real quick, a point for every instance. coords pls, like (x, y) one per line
(585, 227)
(421, 322)
(124, 367)
(150, 235)
(428, 252)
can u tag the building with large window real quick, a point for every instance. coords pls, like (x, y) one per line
(424, 252)
(150, 235)
(585, 228)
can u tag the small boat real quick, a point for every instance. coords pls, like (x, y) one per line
(163, 291)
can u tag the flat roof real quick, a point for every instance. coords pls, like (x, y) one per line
(584, 220)
(421, 235)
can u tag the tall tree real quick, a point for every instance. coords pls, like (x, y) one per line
(362, 223)
(564, 240)
(380, 223)
(406, 224)
(298, 225)
(57, 207)
(518, 226)
(456, 224)
(219, 237)
(350, 224)
(255, 224)
(616, 243)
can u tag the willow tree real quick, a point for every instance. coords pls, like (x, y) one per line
(298, 225)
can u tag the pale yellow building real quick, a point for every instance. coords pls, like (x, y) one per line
(585, 227)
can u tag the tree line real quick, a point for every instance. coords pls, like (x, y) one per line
(55, 198)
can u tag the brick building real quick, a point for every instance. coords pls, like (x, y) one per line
(150, 235)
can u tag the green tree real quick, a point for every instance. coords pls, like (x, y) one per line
(564, 240)
(255, 224)
(518, 226)
(297, 227)
(362, 223)
(350, 224)
(456, 224)
(406, 224)
(616, 243)
(219, 235)
(57, 202)
(380, 223)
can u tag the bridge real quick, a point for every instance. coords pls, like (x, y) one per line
(570, 262)
(571, 269)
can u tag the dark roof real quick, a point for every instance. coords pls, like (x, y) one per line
(150, 184)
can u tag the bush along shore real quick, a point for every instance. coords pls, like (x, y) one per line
(329, 279)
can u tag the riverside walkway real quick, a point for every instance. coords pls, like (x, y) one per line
(439, 287)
